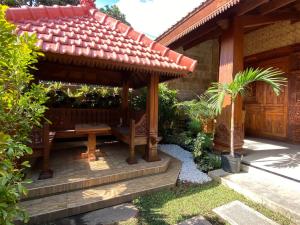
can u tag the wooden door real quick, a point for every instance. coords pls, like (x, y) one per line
(266, 113)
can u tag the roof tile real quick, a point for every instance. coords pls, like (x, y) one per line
(84, 31)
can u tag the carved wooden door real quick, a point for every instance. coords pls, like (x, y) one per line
(266, 113)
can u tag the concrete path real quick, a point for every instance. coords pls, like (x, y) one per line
(237, 213)
(105, 216)
(277, 157)
(278, 193)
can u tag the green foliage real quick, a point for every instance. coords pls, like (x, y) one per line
(208, 161)
(202, 142)
(115, 12)
(198, 108)
(82, 96)
(166, 104)
(240, 85)
(21, 107)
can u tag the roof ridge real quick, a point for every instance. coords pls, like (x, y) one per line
(51, 12)
(220, 6)
(187, 16)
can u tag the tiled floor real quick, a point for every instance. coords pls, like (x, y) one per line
(71, 172)
(85, 200)
(274, 156)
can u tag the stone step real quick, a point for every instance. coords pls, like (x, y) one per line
(237, 212)
(85, 179)
(276, 192)
(72, 203)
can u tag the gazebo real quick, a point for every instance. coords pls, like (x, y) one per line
(84, 45)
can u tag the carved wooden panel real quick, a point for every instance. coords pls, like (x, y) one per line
(294, 105)
(266, 113)
(67, 118)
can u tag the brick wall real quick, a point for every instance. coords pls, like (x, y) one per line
(207, 55)
(274, 36)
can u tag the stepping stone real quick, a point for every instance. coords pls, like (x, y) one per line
(197, 220)
(104, 216)
(237, 213)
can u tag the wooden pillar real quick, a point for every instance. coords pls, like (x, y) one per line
(231, 62)
(152, 119)
(124, 104)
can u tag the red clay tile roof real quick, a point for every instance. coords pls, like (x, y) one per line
(84, 31)
(206, 11)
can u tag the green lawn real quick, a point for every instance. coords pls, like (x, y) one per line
(183, 202)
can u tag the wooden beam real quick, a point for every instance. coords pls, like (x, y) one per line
(253, 21)
(223, 24)
(78, 74)
(248, 6)
(274, 5)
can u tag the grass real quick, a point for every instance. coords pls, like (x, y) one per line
(186, 201)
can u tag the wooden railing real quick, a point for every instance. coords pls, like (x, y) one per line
(66, 118)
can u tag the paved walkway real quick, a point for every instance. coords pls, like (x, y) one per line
(277, 157)
(278, 193)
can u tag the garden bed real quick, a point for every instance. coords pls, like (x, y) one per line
(189, 171)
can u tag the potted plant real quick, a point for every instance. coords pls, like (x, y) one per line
(239, 85)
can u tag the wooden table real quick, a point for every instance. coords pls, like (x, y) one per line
(92, 130)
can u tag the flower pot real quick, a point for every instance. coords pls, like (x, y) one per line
(231, 164)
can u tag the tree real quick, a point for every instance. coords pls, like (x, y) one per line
(13, 3)
(21, 108)
(239, 86)
(115, 12)
(18, 3)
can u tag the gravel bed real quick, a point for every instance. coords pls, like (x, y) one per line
(189, 171)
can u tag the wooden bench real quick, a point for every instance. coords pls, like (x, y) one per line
(42, 139)
(135, 134)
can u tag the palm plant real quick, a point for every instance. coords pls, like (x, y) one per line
(239, 86)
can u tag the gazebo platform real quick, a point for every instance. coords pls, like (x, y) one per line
(80, 186)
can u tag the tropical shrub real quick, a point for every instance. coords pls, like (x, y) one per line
(199, 111)
(21, 108)
(208, 161)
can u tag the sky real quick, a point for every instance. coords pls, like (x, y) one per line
(152, 17)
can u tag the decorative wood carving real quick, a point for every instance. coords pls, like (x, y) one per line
(141, 126)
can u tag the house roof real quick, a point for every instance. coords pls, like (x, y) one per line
(83, 31)
(205, 12)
